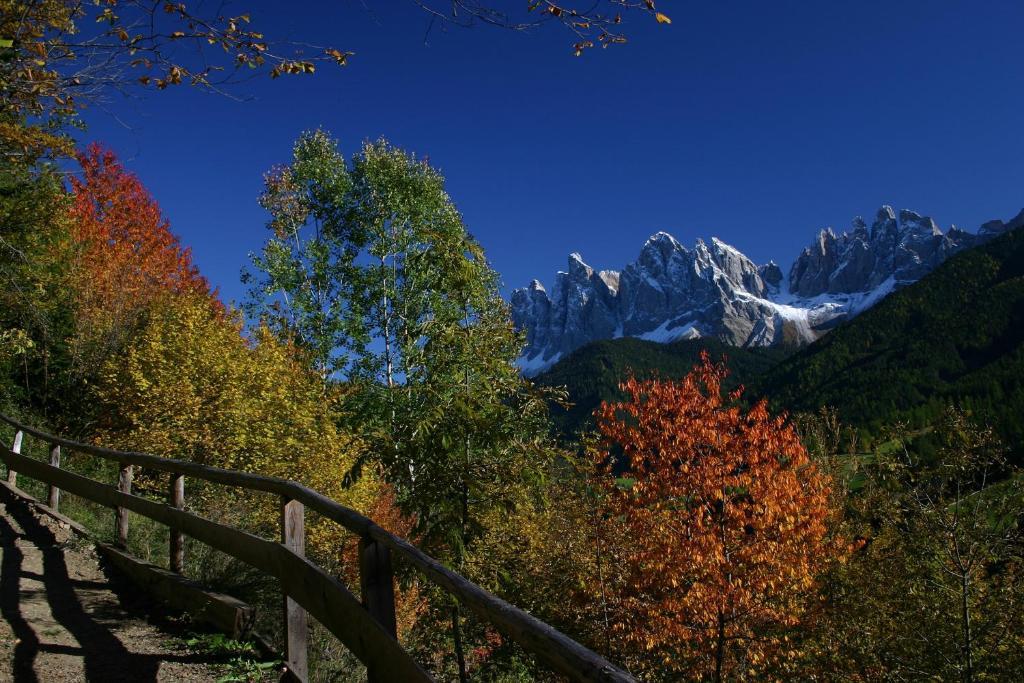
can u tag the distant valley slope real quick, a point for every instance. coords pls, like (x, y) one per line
(713, 291)
(593, 372)
(957, 335)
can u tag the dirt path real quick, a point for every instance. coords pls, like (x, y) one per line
(63, 619)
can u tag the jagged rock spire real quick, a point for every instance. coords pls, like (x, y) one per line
(671, 292)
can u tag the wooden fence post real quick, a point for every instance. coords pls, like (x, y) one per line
(124, 485)
(293, 536)
(53, 499)
(177, 549)
(12, 476)
(377, 585)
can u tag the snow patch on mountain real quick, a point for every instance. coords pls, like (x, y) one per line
(537, 364)
(667, 332)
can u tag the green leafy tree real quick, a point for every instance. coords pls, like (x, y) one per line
(303, 274)
(370, 268)
(35, 310)
(935, 591)
(377, 276)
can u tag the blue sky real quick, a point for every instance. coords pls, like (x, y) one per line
(756, 122)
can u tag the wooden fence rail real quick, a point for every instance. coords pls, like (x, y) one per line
(367, 626)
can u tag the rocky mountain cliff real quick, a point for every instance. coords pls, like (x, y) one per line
(712, 290)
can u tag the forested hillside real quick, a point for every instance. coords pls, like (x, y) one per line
(956, 336)
(592, 374)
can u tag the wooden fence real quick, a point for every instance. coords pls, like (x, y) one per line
(367, 626)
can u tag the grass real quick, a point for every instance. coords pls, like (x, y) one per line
(243, 660)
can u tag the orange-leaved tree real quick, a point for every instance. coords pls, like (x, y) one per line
(718, 528)
(125, 256)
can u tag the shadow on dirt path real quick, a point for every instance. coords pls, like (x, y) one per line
(63, 618)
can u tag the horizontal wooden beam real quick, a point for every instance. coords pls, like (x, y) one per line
(323, 596)
(232, 616)
(228, 614)
(348, 518)
(551, 647)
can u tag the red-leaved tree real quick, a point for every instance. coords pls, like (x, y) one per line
(124, 255)
(717, 529)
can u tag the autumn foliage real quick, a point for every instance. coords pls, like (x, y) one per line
(718, 528)
(125, 254)
(700, 542)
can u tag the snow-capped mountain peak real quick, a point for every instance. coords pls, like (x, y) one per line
(671, 292)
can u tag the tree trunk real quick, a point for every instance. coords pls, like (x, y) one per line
(965, 619)
(460, 655)
(604, 596)
(720, 649)
(386, 321)
(457, 635)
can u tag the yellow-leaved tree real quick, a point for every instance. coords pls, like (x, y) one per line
(192, 386)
